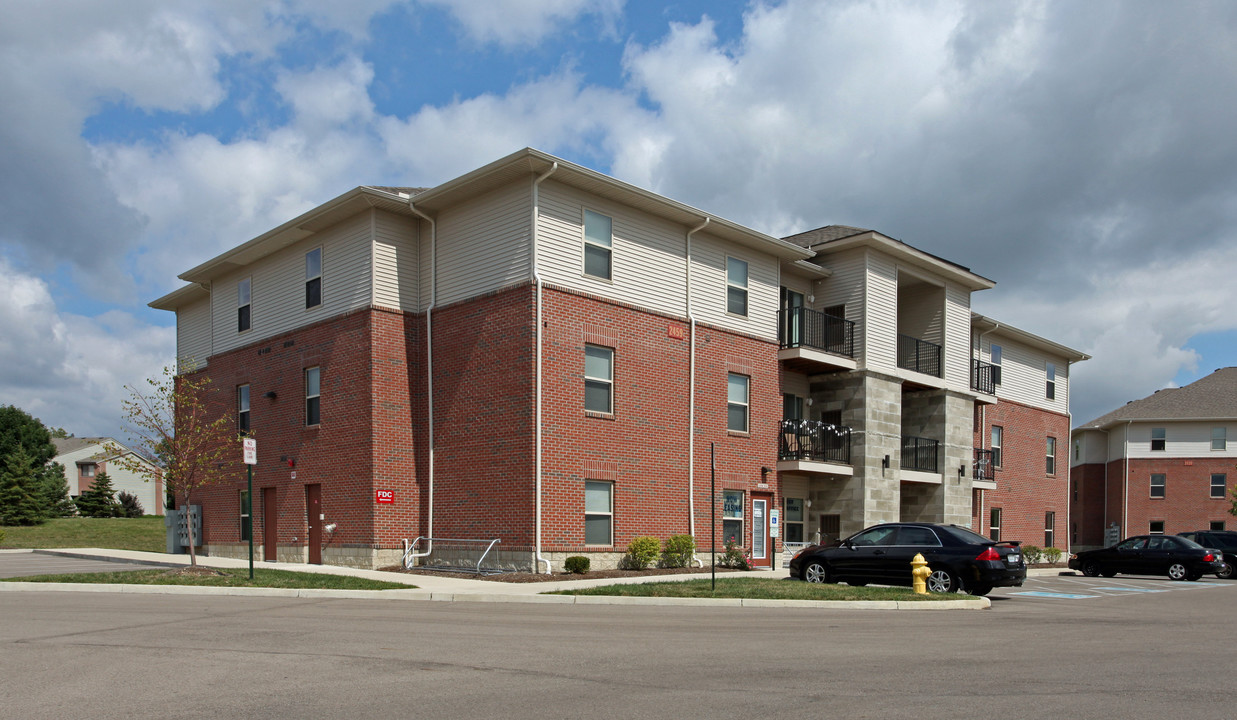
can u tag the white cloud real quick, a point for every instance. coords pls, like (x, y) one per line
(521, 22)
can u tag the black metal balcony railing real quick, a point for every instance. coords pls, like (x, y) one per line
(983, 377)
(814, 440)
(919, 355)
(802, 327)
(983, 465)
(920, 454)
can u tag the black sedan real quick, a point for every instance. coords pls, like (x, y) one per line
(1224, 541)
(958, 558)
(1176, 557)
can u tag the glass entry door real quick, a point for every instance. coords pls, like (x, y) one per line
(760, 531)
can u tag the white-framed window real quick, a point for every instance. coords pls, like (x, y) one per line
(995, 354)
(246, 515)
(598, 379)
(1219, 485)
(313, 278)
(313, 395)
(994, 524)
(732, 516)
(1159, 439)
(242, 408)
(1050, 529)
(1050, 466)
(598, 512)
(737, 394)
(1216, 526)
(736, 286)
(1050, 373)
(1156, 527)
(1219, 438)
(1158, 485)
(598, 245)
(244, 298)
(997, 436)
(87, 470)
(793, 522)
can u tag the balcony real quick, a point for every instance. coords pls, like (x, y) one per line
(984, 471)
(920, 455)
(919, 356)
(814, 446)
(813, 339)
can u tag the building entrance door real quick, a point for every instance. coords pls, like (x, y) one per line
(313, 513)
(270, 526)
(830, 528)
(761, 550)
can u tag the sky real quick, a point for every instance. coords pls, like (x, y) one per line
(1082, 155)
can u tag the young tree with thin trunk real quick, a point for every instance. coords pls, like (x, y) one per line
(172, 419)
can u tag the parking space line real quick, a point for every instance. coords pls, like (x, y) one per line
(1131, 589)
(1059, 596)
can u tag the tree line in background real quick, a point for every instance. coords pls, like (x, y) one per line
(33, 489)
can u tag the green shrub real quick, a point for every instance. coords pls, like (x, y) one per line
(641, 552)
(577, 564)
(130, 506)
(678, 551)
(1032, 554)
(1053, 555)
(734, 557)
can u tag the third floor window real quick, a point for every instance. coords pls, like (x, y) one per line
(598, 245)
(243, 297)
(313, 278)
(736, 286)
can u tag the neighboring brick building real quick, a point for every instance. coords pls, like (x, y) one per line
(540, 354)
(1162, 464)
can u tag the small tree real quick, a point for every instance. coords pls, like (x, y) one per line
(55, 493)
(21, 497)
(171, 418)
(100, 500)
(130, 506)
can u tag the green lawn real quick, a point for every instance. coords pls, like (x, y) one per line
(232, 578)
(758, 588)
(144, 533)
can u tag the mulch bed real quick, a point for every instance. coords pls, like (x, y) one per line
(523, 577)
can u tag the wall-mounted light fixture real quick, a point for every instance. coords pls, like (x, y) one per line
(962, 471)
(764, 474)
(885, 462)
(270, 395)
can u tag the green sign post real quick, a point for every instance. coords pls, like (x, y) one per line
(249, 447)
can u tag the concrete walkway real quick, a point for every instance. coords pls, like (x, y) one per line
(450, 589)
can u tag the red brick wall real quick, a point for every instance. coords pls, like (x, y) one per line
(1187, 503)
(1025, 492)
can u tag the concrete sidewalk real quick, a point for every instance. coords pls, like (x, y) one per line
(451, 589)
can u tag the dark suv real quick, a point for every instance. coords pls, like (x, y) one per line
(1223, 540)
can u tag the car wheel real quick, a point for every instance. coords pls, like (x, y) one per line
(1193, 576)
(1108, 573)
(979, 590)
(1091, 568)
(1226, 572)
(1177, 571)
(942, 581)
(816, 573)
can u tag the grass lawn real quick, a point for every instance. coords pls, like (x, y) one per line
(758, 588)
(144, 533)
(232, 578)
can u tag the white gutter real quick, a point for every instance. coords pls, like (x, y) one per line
(537, 559)
(691, 395)
(429, 373)
(1125, 480)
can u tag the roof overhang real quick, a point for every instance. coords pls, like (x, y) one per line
(182, 296)
(909, 255)
(990, 325)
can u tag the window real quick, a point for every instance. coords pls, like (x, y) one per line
(1050, 467)
(732, 516)
(1077, 449)
(995, 354)
(1156, 527)
(242, 408)
(1219, 438)
(994, 524)
(1219, 483)
(313, 392)
(242, 304)
(86, 469)
(1158, 437)
(1050, 371)
(246, 516)
(736, 286)
(1157, 485)
(598, 513)
(313, 278)
(794, 520)
(1217, 525)
(1050, 526)
(736, 402)
(598, 245)
(598, 379)
(997, 432)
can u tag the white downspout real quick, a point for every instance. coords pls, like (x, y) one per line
(429, 373)
(537, 559)
(691, 396)
(1125, 484)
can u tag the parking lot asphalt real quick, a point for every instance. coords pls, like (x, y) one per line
(1069, 586)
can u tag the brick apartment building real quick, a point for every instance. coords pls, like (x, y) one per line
(1162, 464)
(537, 353)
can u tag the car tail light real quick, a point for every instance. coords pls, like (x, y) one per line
(989, 554)
(1209, 558)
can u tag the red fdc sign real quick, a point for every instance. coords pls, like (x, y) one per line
(384, 496)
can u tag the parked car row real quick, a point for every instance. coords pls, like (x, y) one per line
(963, 561)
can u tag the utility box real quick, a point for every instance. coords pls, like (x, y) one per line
(178, 528)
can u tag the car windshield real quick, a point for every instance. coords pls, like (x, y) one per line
(966, 536)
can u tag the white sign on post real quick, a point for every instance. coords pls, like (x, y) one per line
(250, 447)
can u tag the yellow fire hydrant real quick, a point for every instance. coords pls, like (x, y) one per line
(919, 574)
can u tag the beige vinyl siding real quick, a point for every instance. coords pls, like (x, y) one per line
(396, 262)
(193, 334)
(483, 243)
(709, 287)
(647, 268)
(957, 337)
(278, 290)
(881, 316)
(1182, 439)
(800, 285)
(845, 287)
(794, 383)
(1094, 448)
(1023, 378)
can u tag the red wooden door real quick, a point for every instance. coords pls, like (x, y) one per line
(270, 525)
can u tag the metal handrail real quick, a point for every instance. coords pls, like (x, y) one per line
(919, 355)
(920, 454)
(814, 440)
(983, 465)
(983, 377)
(804, 327)
(412, 550)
